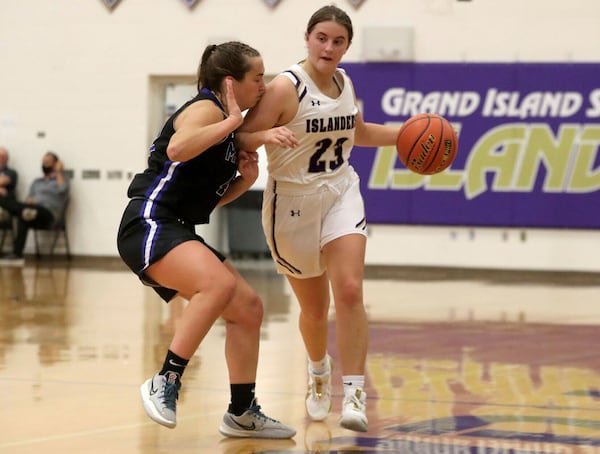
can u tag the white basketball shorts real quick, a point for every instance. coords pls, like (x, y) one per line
(298, 220)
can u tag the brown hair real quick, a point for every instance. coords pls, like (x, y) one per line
(53, 155)
(331, 13)
(223, 60)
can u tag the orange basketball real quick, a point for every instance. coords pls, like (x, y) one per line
(427, 144)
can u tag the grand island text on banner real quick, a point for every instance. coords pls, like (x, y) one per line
(529, 137)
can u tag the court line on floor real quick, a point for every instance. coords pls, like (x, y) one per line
(85, 433)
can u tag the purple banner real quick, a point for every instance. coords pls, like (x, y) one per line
(529, 139)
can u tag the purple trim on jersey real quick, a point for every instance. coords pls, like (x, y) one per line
(336, 82)
(298, 81)
(161, 183)
(297, 85)
(212, 95)
(304, 92)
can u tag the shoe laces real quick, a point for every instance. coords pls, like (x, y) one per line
(355, 400)
(255, 410)
(317, 387)
(170, 395)
(318, 383)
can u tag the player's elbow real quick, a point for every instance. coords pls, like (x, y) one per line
(175, 152)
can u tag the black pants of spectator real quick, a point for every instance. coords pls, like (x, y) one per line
(11, 205)
(43, 219)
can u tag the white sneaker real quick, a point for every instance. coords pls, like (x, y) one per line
(354, 410)
(318, 395)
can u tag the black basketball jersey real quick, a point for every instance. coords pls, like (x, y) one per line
(191, 189)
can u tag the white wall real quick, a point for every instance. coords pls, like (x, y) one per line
(76, 78)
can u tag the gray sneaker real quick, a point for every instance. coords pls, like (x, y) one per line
(254, 424)
(159, 395)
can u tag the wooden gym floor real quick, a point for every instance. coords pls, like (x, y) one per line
(460, 362)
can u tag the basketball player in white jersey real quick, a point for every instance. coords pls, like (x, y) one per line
(313, 212)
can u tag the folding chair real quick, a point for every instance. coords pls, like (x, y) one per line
(57, 229)
(6, 228)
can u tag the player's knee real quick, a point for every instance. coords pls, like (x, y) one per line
(254, 310)
(245, 309)
(348, 293)
(223, 289)
(316, 313)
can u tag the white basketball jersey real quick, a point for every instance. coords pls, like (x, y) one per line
(324, 128)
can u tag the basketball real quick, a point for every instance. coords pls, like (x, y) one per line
(427, 144)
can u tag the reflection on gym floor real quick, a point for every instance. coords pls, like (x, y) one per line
(460, 361)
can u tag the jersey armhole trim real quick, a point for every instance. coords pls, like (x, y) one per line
(301, 88)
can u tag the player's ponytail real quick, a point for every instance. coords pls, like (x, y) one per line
(223, 60)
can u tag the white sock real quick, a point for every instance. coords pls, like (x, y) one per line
(351, 382)
(319, 367)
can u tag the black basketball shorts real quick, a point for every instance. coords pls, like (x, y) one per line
(147, 232)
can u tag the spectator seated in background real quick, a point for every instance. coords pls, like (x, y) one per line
(8, 181)
(44, 204)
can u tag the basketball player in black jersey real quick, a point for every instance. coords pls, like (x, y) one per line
(193, 167)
